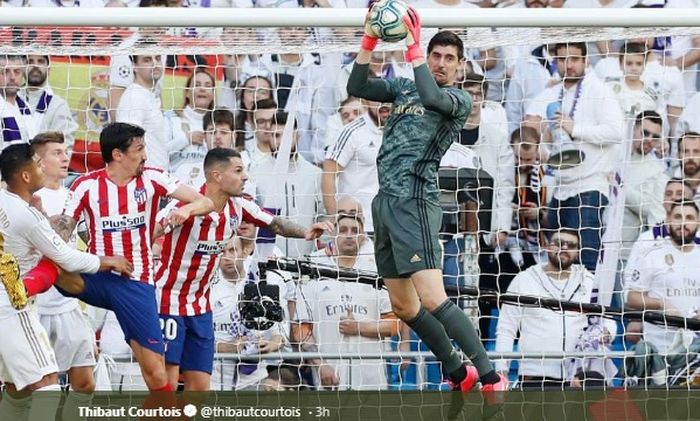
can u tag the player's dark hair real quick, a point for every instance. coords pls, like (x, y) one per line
(13, 158)
(444, 38)
(564, 45)
(218, 116)
(525, 136)
(217, 156)
(684, 202)
(650, 115)
(118, 136)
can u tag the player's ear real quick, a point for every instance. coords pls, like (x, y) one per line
(25, 175)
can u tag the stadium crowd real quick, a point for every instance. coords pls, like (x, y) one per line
(623, 109)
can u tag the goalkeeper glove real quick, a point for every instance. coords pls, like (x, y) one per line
(412, 22)
(370, 38)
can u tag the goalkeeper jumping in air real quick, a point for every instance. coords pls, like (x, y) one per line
(426, 118)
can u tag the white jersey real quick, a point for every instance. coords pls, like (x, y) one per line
(672, 276)
(634, 101)
(26, 233)
(53, 302)
(326, 301)
(16, 122)
(142, 107)
(667, 81)
(120, 219)
(191, 254)
(356, 149)
(228, 327)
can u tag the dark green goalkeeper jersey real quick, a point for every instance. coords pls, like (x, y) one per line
(417, 133)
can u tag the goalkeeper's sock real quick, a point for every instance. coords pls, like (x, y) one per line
(460, 328)
(41, 278)
(431, 332)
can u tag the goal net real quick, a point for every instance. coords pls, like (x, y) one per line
(527, 187)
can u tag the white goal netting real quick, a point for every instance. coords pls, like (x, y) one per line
(628, 111)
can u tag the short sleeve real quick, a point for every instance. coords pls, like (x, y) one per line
(165, 183)
(344, 148)
(254, 214)
(76, 199)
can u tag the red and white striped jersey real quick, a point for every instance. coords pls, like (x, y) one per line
(191, 254)
(121, 219)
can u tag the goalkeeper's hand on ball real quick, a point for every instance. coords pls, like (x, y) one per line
(369, 38)
(412, 22)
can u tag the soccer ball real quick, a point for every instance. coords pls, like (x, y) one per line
(387, 20)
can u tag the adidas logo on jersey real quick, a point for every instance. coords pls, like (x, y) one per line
(415, 259)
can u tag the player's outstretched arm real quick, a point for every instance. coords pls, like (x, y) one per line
(431, 96)
(197, 204)
(359, 84)
(288, 228)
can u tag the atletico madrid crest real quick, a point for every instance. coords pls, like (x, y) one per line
(140, 195)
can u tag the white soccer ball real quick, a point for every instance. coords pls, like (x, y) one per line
(387, 20)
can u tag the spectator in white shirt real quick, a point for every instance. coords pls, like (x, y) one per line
(187, 155)
(50, 111)
(561, 279)
(667, 277)
(346, 317)
(140, 105)
(16, 120)
(666, 81)
(676, 191)
(529, 77)
(350, 167)
(589, 120)
(299, 199)
(231, 335)
(349, 110)
(645, 181)
(631, 92)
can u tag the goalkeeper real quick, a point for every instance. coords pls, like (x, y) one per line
(426, 118)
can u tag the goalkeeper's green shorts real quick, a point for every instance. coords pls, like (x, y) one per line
(406, 235)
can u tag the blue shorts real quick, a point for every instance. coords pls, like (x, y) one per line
(132, 301)
(190, 341)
